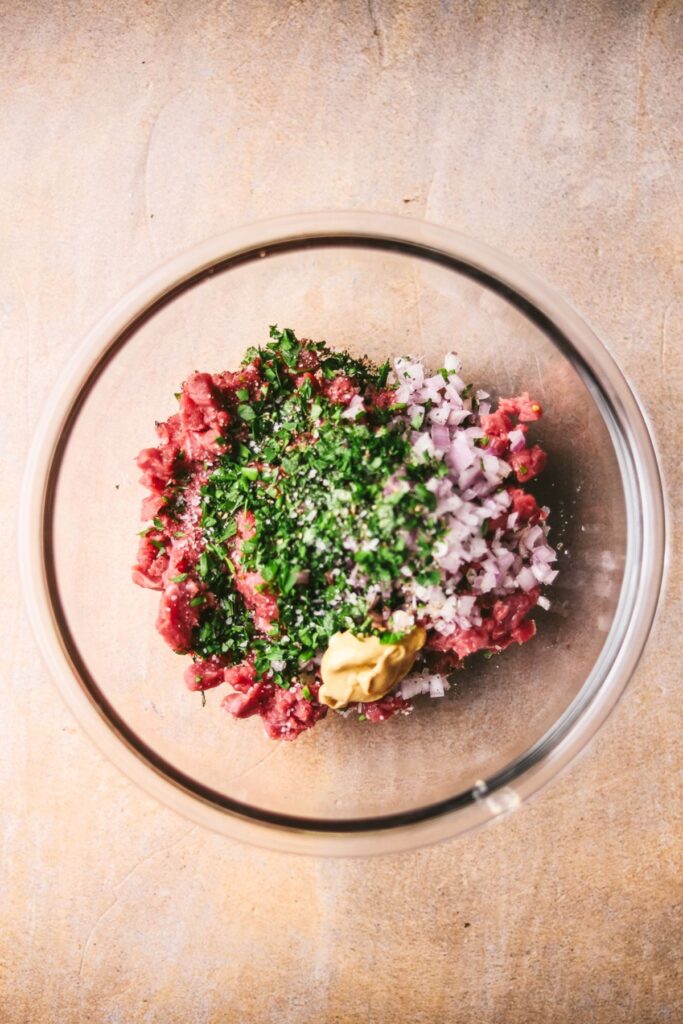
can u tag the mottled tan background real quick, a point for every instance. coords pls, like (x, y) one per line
(130, 130)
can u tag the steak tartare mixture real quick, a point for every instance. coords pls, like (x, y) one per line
(330, 534)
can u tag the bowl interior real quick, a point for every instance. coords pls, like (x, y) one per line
(382, 301)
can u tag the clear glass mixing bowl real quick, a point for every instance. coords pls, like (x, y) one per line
(382, 286)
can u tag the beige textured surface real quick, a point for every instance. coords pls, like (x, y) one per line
(132, 129)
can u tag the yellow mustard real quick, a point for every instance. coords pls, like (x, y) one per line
(354, 669)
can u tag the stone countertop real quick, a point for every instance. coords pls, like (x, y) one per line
(133, 129)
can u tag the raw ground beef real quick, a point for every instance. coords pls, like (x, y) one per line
(189, 445)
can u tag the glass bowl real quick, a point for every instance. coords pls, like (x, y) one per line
(382, 286)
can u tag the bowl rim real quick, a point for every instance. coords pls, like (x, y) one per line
(645, 549)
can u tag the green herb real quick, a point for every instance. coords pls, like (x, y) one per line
(290, 579)
(286, 344)
(158, 544)
(523, 470)
(391, 638)
(157, 524)
(305, 508)
(242, 394)
(180, 578)
(246, 413)
(362, 718)
(199, 599)
(429, 579)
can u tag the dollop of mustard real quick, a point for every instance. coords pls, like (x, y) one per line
(355, 669)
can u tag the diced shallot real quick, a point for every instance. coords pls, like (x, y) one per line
(517, 440)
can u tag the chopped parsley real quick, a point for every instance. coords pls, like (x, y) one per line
(341, 511)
